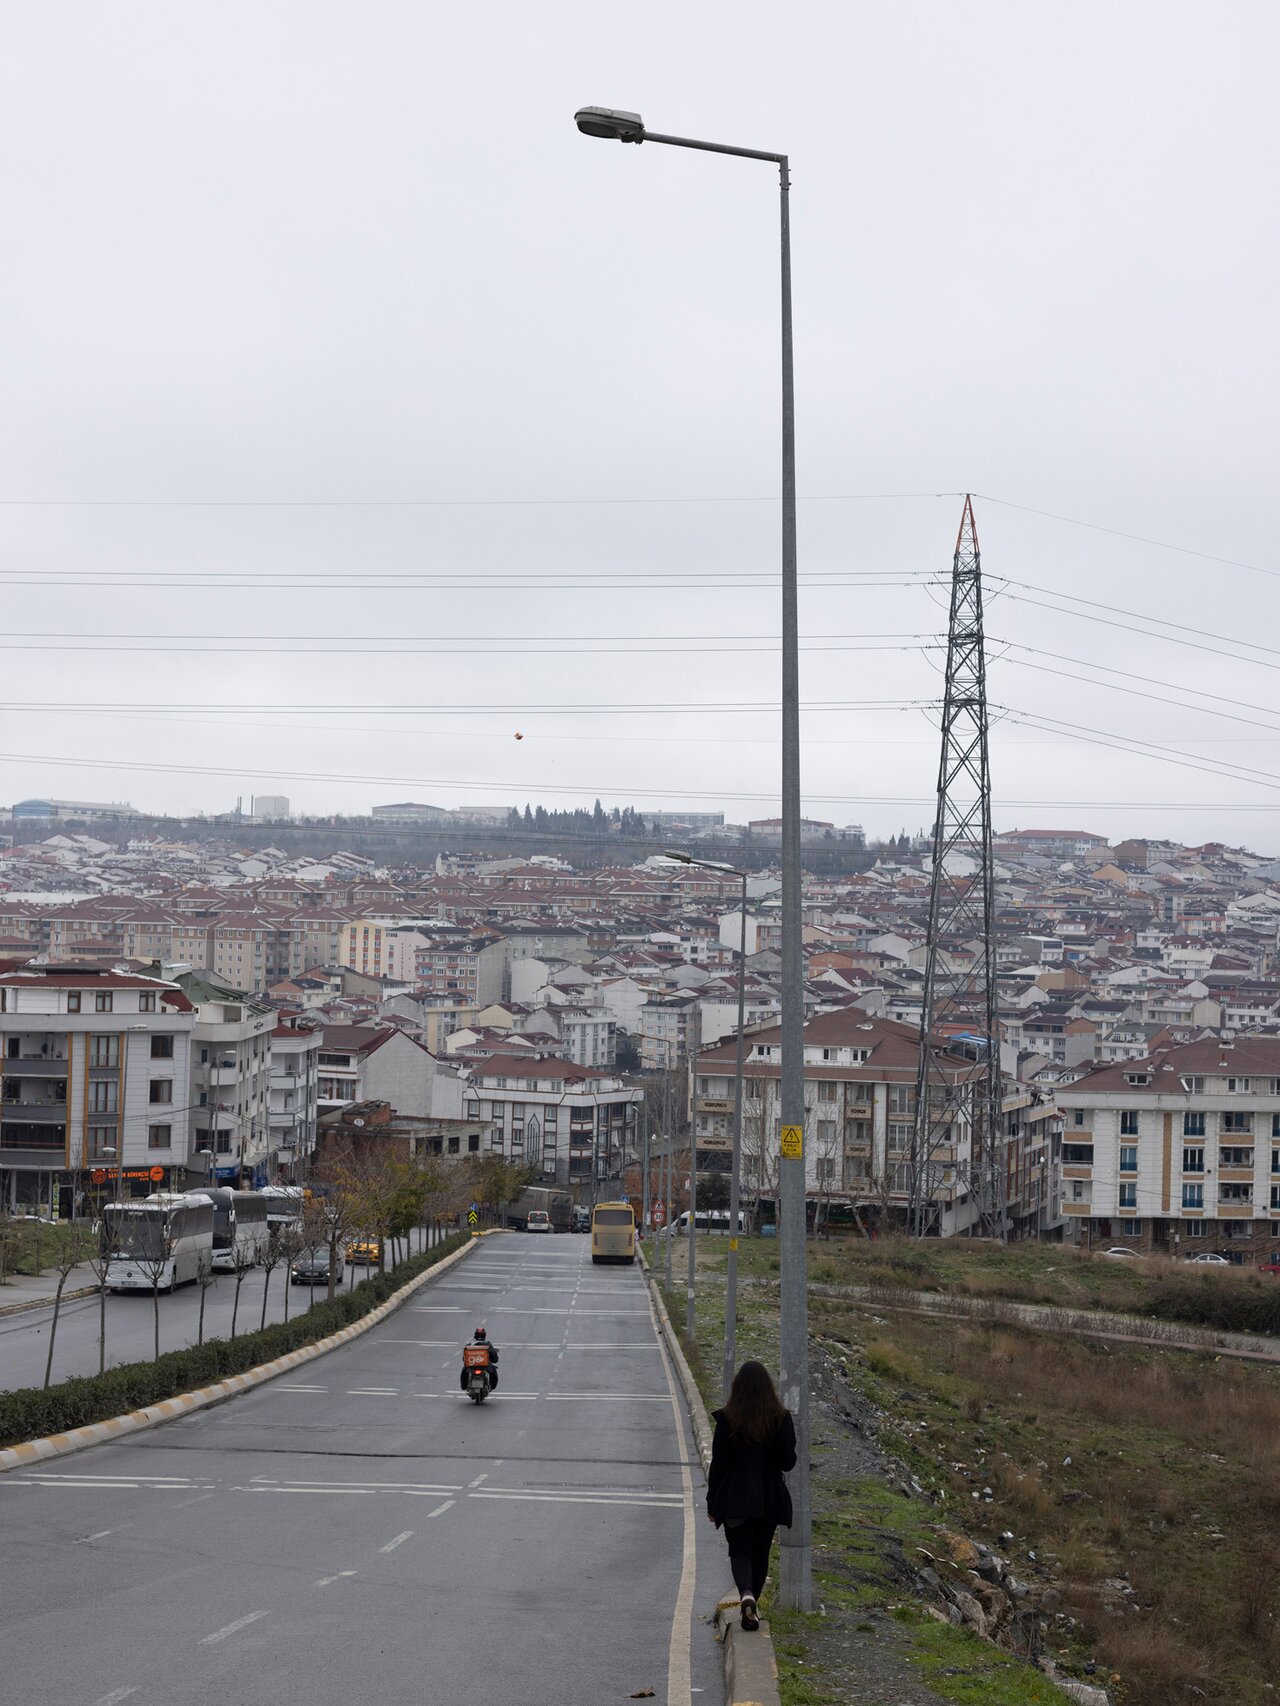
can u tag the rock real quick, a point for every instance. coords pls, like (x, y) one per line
(990, 1569)
(931, 1580)
(994, 1603)
(971, 1613)
(960, 1550)
(1083, 1693)
(1075, 1496)
(1050, 1599)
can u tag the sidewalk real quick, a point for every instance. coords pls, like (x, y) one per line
(30, 1291)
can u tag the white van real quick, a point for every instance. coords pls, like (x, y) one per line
(710, 1220)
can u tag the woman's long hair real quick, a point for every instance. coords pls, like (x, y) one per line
(754, 1409)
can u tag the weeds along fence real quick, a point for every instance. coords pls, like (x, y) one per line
(30, 1413)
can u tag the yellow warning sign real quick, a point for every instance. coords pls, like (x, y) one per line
(792, 1142)
(733, 1243)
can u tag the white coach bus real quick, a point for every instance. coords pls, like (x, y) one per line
(156, 1243)
(240, 1228)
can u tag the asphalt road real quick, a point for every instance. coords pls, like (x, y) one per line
(24, 1336)
(359, 1531)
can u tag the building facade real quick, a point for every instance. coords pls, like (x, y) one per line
(95, 1087)
(577, 1125)
(294, 1092)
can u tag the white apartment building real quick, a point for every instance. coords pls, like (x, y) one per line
(230, 1080)
(588, 1036)
(294, 1093)
(95, 1086)
(575, 1124)
(1179, 1152)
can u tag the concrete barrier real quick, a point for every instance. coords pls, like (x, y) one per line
(169, 1409)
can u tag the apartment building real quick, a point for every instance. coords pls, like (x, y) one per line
(95, 1071)
(575, 1124)
(367, 1063)
(1178, 1152)
(460, 966)
(230, 1079)
(859, 1118)
(670, 1029)
(294, 1097)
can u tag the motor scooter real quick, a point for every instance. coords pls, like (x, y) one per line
(475, 1359)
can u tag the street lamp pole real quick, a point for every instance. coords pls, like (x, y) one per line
(735, 1167)
(796, 1585)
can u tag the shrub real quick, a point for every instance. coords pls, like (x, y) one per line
(30, 1413)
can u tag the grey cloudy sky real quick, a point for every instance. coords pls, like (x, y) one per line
(310, 311)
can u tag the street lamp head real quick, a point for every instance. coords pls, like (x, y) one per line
(679, 858)
(609, 123)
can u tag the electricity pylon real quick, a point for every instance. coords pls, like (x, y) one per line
(959, 1069)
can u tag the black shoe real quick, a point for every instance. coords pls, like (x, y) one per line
(750, 1616)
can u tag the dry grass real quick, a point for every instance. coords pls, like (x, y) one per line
(1146, 1469)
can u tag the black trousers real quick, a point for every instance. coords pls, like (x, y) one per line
(749, 1544)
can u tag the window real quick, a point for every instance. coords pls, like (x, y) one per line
(147, 1001)
(1275, 1196)
(1193, 1125)
(900, 1134)
(1077, 1154)
(104, 1051)
(1275, 1125)
(1128, 1196)
(826, 1169)
(455, 1143)
(826, 1091)
(473, 1143)
(1235, 1193)
(102, 1138)
(826, 1135)
(1129, 1122)
(73, 1001)
(1128, 1158)
(1077, 1116)
(162, 1048)
(902, 1098)
(1192, 1196)
(1235, 1157)
(102, 1001)
(222, 1143)
(159, 1136)
(103, 1096)
(1193, 1159)
(1131, 1228)
(161, 1090)
(1196, 1228)
(1237, 1122)
(1275, 1160)
(1238, 1086)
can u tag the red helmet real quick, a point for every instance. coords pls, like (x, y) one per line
(480, 1333)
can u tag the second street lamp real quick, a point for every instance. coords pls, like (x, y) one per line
(735, 1165)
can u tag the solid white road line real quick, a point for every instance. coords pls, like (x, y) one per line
(232, 1628)
(577, 1499)
(679, 1652)
(398, 1541)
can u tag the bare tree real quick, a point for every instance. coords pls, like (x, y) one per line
(291, 1240)
(154, 1258)
(272, 1257)
(205, 1277)
(74, 1250)
(244, 1258)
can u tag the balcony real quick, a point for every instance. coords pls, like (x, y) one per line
(34, 1113)
(35, 1066)
(223, 1074)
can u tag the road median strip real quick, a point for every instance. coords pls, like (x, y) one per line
(34, 1451)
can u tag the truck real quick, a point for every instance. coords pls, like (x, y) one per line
(557, 1205)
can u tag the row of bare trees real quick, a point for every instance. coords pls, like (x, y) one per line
(361, 1192)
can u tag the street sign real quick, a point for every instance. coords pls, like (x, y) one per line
(792, 1142)
(659, 1214)
(473, 1219)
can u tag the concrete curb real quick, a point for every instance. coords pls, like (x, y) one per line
(47, 1302)
(750, 1664)
(117, 1427)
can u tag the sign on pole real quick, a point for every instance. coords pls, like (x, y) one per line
(793, 1142)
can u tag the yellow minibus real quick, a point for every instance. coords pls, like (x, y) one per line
(613, 1232)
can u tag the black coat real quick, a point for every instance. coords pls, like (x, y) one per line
(745, 1481)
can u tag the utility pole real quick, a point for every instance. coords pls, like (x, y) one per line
(957, 1076)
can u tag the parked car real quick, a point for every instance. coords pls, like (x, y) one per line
(313, 1267)
(1271, 1267)
(1209, 1259)
(538, 1220)
(1118, 1250)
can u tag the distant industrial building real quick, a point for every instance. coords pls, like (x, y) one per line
(83, 810)
(269, 808)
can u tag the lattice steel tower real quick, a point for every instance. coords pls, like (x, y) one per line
(959, 1071)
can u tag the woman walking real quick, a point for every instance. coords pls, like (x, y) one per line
(754, 1445)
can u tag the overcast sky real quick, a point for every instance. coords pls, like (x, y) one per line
(324, 332)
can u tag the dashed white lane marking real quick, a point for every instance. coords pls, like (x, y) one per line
(197, 1500)
(441, 1509)
(398, 1541)
(115, 1697)
(302, 1388)
(479, 1480)
(356, 1490)
(232, 1628)
(90, 1538)
(373, 1392)
(328, 1581)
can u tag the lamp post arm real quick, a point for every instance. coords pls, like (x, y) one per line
(711, 147)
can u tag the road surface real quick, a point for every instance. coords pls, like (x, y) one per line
(24, 1336)
(358, 1531)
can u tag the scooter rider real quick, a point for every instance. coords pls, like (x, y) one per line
(480, 1337)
